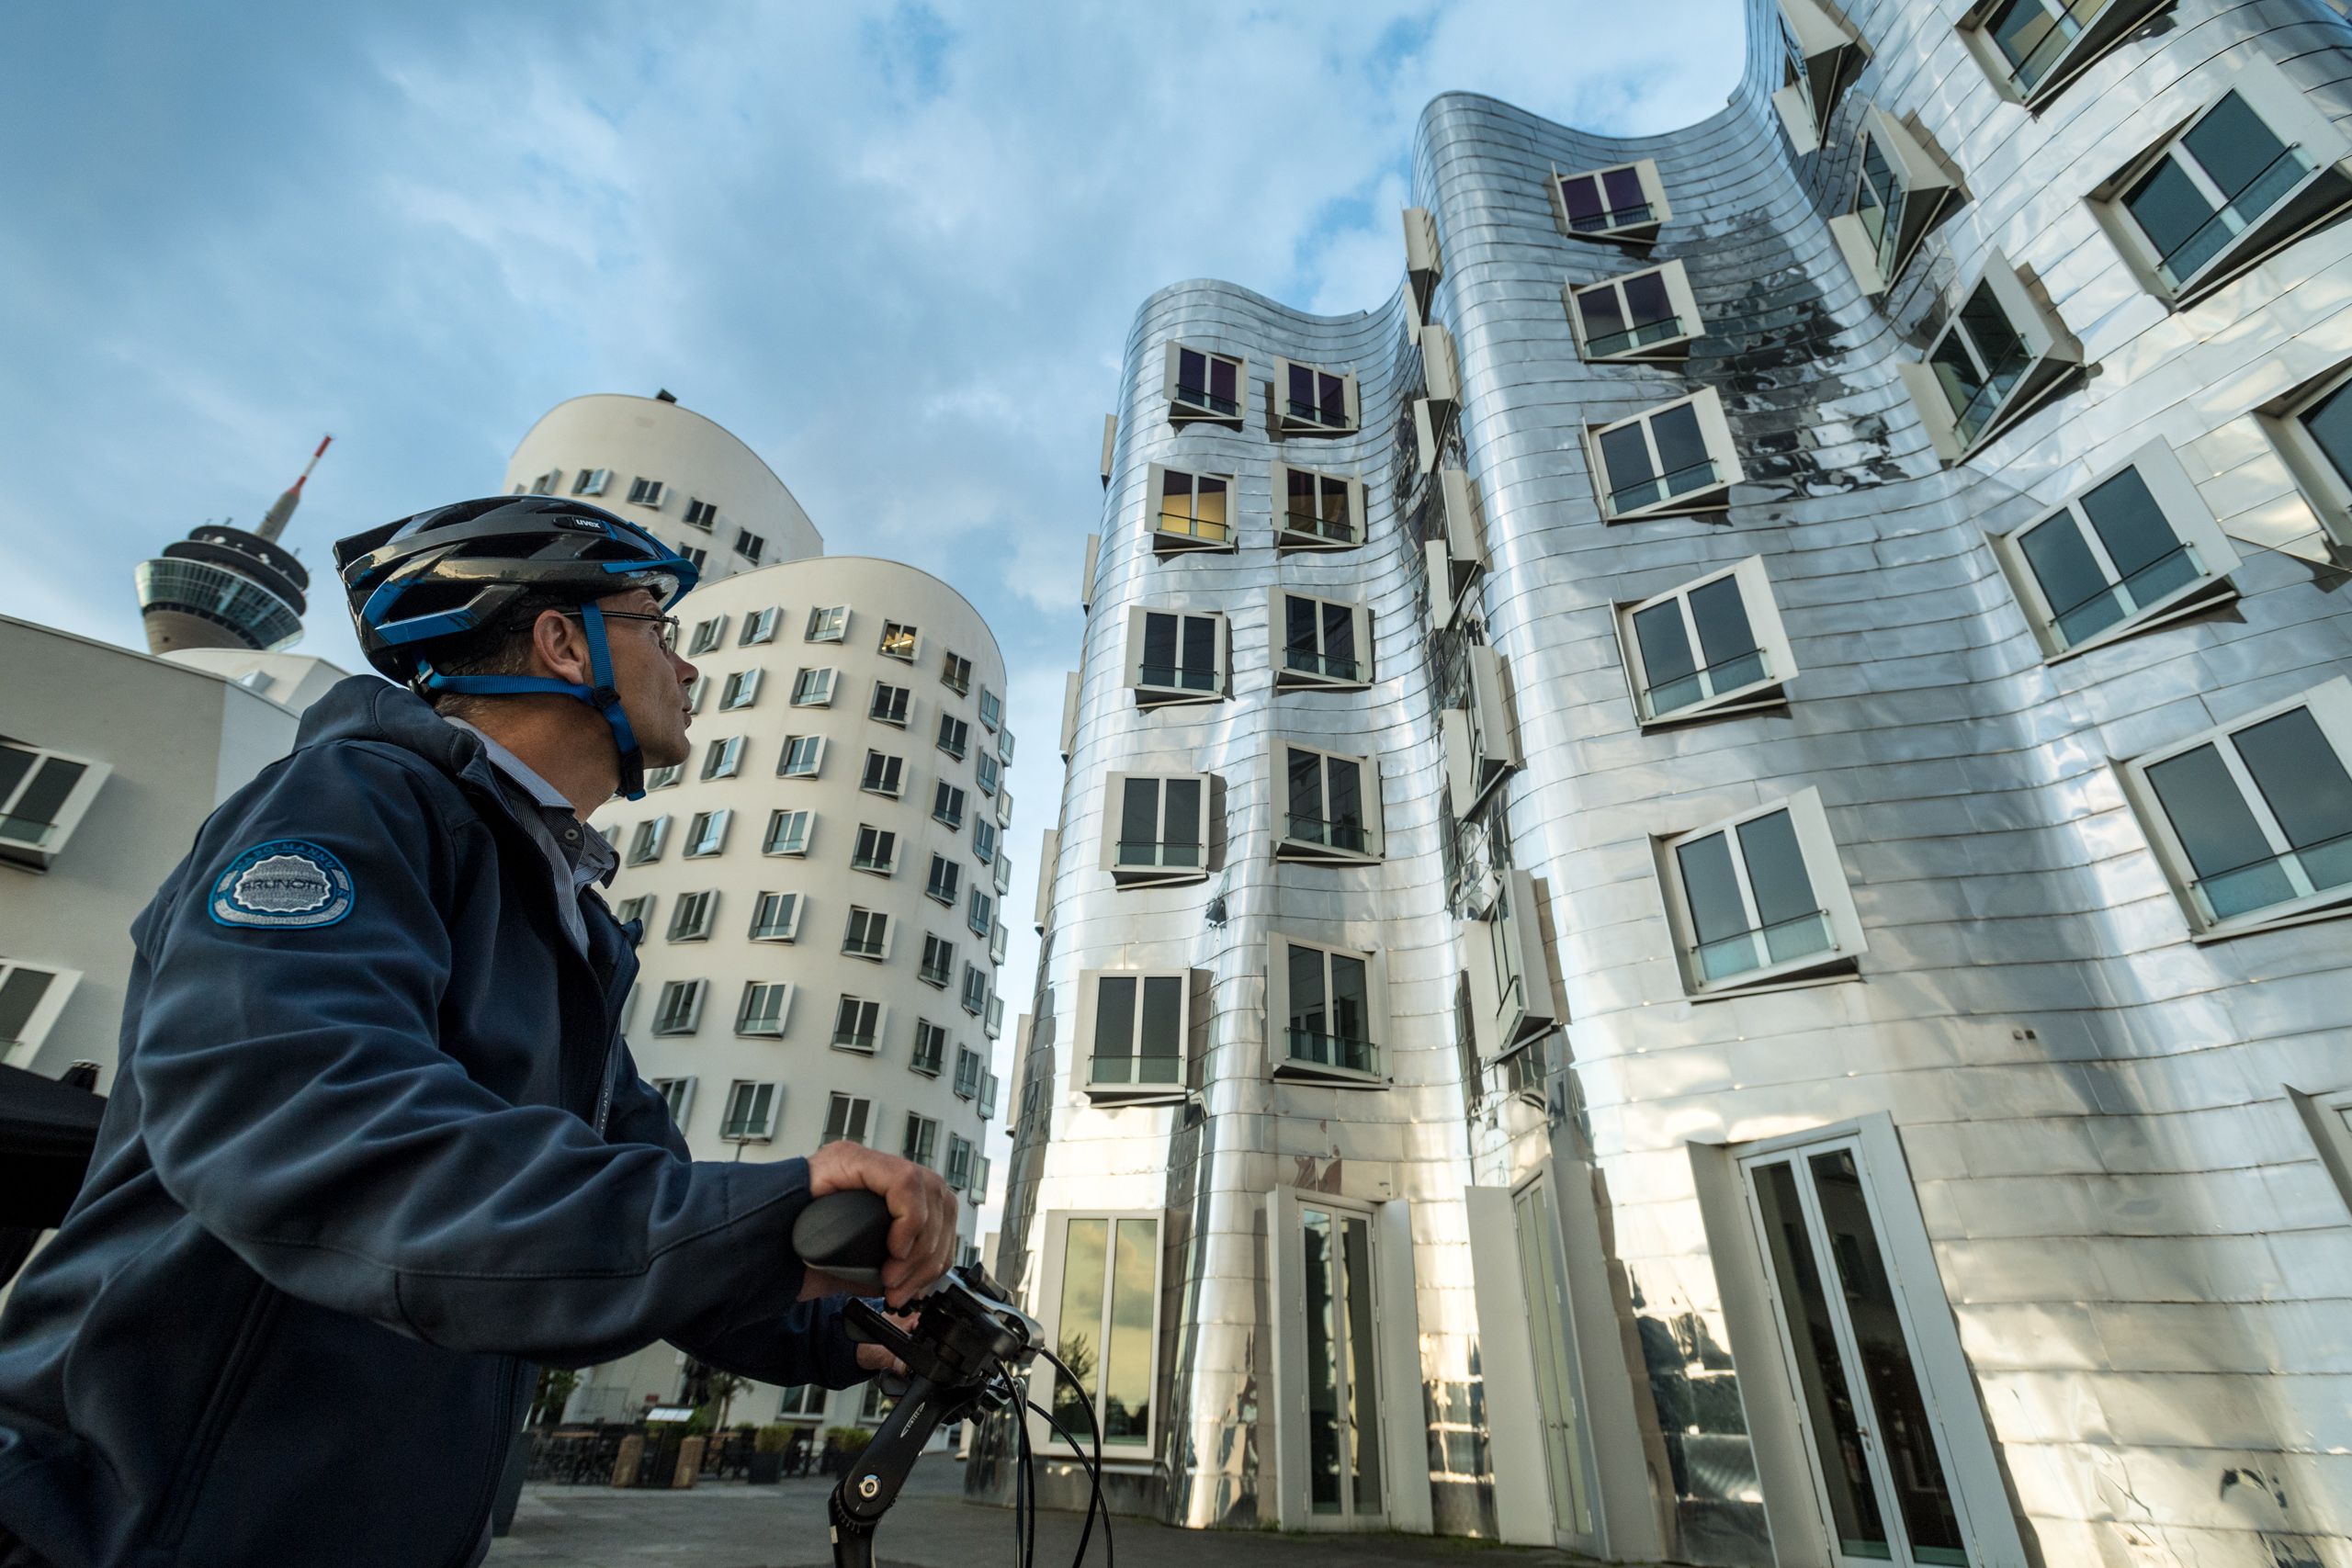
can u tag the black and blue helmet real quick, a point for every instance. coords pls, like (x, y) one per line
(430, 586)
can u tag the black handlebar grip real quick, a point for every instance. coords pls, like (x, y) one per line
(847, 1235)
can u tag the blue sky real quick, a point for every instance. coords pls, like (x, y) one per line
(895, 246)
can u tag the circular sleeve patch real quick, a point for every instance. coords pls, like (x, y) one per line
(286, 884)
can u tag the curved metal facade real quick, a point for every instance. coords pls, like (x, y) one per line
(2085, 1108)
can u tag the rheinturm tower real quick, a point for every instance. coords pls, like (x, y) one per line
(224, 587)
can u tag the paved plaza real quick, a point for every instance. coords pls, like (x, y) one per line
(729, 1525)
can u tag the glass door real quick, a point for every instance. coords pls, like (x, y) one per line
(1343, 1460)
(1878, 1458)
(1565, 1455)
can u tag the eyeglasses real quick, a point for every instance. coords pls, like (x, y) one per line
(668, 624)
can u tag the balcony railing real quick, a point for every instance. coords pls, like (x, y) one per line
(2208, 239)
(1641, 334)
(2317, 867)
(869, 863)
(1612, 218)
(1330, 666)
(1154, 853)
(1347, 835)
(852, 1040)
(1311, 413)
(1796, 937)
(1203, 398)
(1663, 487)
(1208, 530)
(1712, 680)
(1338, 531)
(856, 948)
(2094, 613)
(1113, 1071)
(1332, 1051)
(1179, 677)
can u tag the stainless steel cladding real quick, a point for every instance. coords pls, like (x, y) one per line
(1698, 908)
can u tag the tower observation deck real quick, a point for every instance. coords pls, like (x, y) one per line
(225, 587)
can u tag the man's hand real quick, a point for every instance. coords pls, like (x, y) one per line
(922, 1218)
(878, 1357)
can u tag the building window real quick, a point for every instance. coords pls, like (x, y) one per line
(663, 778)
(858, 1024)
(959, 1162)
(1997, 358)
(679, 1007)
(1136, 1026)
(876, 850)
(645, 492)
(938, 959)
(991, 709)
(648, 842)
(751, 1112)
(983, 840)
(635, 909)
(547, 484)
(787, 833)
(1517, 986)
(592, 481)
(984, 772)
(2134, 549)
(1899, 193)
(955, 736)
(981, 911)
(708, 833)
(1327, 1004)
(1647, 315)
(890, 704)
(708, 634)
(740, 690)
(899, 641)
(1003, 802)
(947, 805)
(1317, 510)
(1174, 657)
(1325, 642)
(31, 996)
(677, 1097)
(750, 545)
(1818, 58)
(1760, 898)
(969, 1065)
(956, 673)
(1201, 385)
(921, 1143)
(1714, 646)
(701, 514)
(696, 690)
(1158, 829)
(997, 939)
(1310, 400)
(1330, 806)
(692, 916)
(2252, 822)
(759, 627)
(1453, 553)
(695, 554)
(722, 759)
(828, 623)
(868, 935)
(1195, 510)
(777, 918)
(1625, 202)
(845, 1117)
(1677, 457)
(43, 797)
(803, 755)
(1104, 1287)
(764, 1010)
(1481, 742)
(884, 774)
(2033, 48)
(2312, 429)
(930, 1049)
(813, 688)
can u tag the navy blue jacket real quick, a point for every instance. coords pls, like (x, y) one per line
(375, 1147)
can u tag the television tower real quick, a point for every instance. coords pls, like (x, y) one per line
(224, 587)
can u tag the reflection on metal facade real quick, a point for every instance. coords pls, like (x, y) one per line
(1928, 1140)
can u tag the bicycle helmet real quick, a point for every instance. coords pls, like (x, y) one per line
(430, 585)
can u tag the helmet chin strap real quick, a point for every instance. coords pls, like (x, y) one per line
(602, 696)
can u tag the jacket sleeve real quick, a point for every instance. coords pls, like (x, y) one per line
(811, 1343)
(296, 1102)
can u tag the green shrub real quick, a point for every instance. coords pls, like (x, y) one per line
(773, 1439)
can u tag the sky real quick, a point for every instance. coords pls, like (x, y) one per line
(895, 246)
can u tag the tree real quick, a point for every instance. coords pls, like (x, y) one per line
(554, 1393)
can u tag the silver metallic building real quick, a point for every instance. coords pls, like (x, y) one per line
(1698, 908)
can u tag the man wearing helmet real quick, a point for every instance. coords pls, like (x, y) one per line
(376, 1146)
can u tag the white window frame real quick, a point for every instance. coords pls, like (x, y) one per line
(960, 730)
(873, 1037)
(545, 483)
(1288, 422)
(1481, 742)
(2185, 511)
(872, 943)
(902, 641)
(701, 514)
(1184, 410)
(953, 888)
(944, 973)
(948, 802)
(812, 686)
(40, 854)
(2052, 357)
(756, 1026)
(886, 866)
(759, 627)
(929, 1062)
(921, 1144)
(1825, 874)
(669, 1018)
(1114, 792)
(1714, 433)
(761, 930)
(955, 672)
(1821, 58)
(706, 834)
(986, 773)
(634, 909)
(1517, 991)
(2106, 30)
(1287, 678)
(2330, 702)
(723, 759)
(45, 1012)
(828, 623)
(1290, 536)
(957, 1168)
(663, 778)
(890, 703)
(1770, 690)
(1290, 848)
(975, 992)
(991, 709)
(979, 911)
(693, 916)
(1188, 983)
(1167, 540)
(1005, 808)
(592, 481)
(1924, 194)
(984, 833)
(855, 1114)
(1639, 230)
(1440, 383)
(2327, 489)
(651, 837)
(969, 1065)
(891, 781)
(777, 820)
(767, 1105)
(677, 1097)
(1220, 675)
(1455, 554)
(795, 745)
(696, 689)
(740, 690)
(643, 492)
(1332, 1074)
(1671, 347)
(1049, 1310)
(750, 545)
(706, 636)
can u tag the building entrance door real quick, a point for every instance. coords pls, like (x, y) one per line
(1566, 1453)
(1342, 1359)
(1879, 1458)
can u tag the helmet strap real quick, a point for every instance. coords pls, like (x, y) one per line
(603, 696)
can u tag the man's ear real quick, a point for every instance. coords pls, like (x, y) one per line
(559, 647)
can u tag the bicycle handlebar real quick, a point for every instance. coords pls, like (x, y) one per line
(847, 1235)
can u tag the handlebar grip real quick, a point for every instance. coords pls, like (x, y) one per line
(847, 1235)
